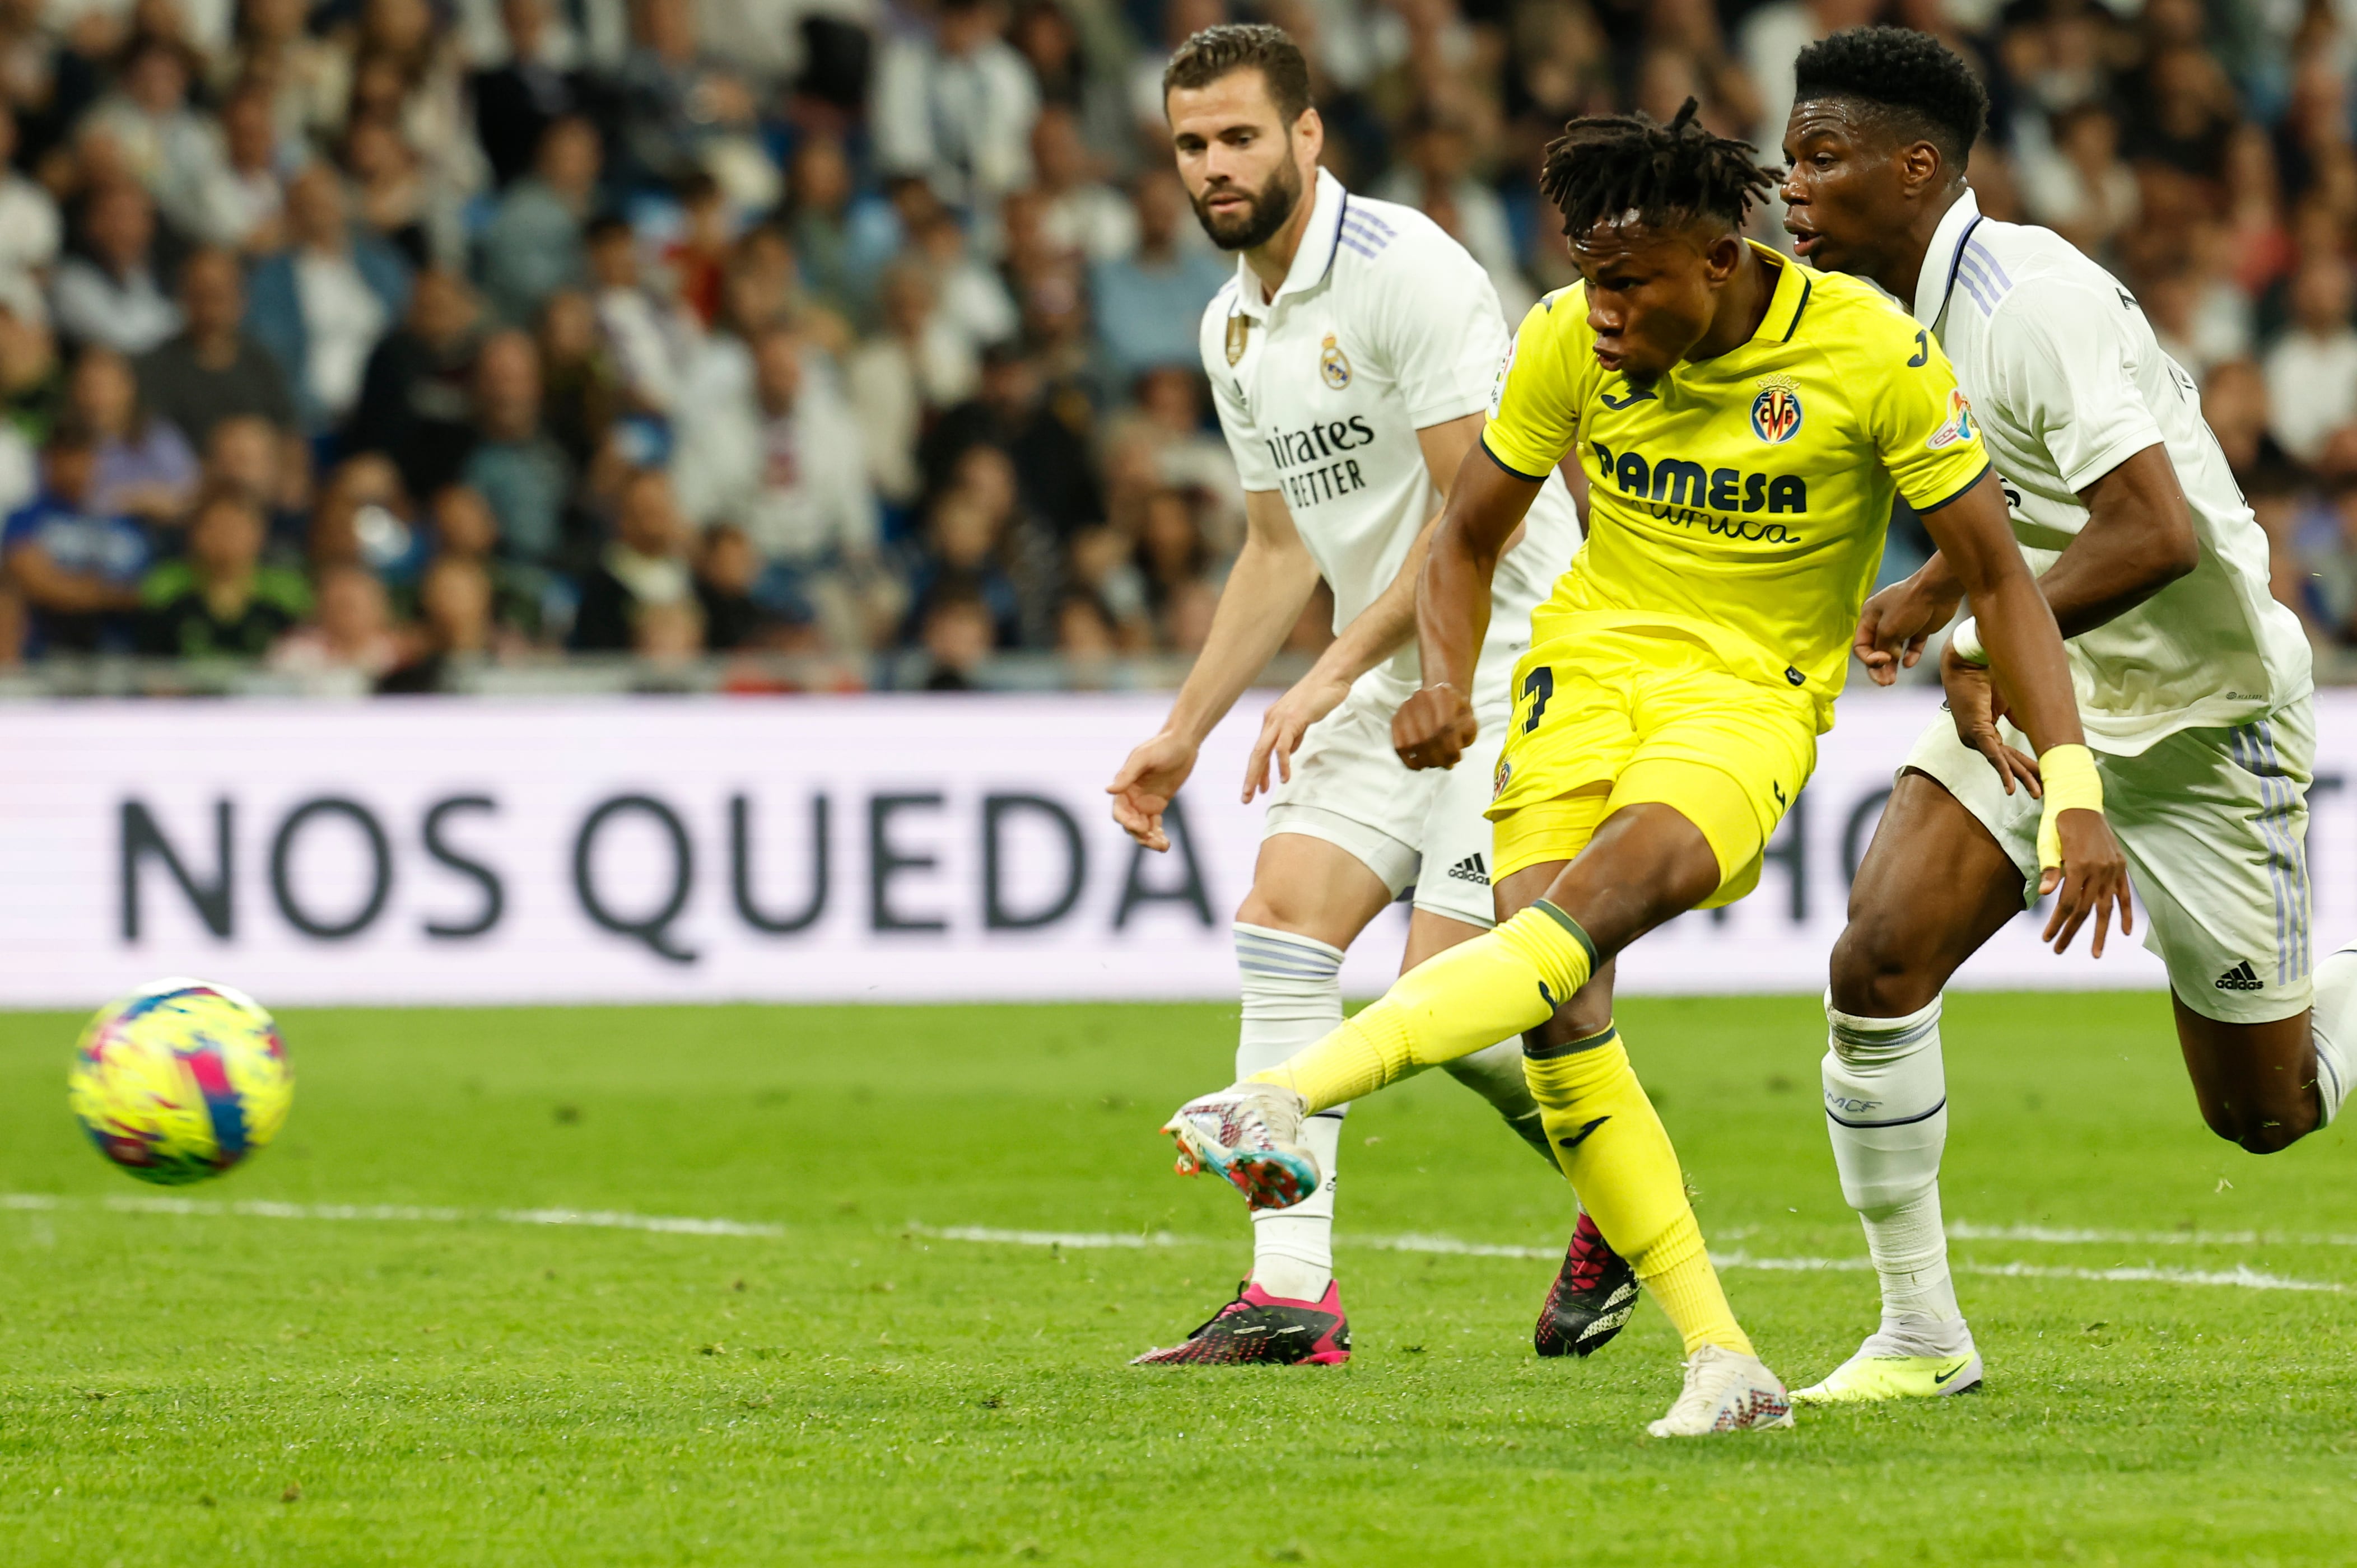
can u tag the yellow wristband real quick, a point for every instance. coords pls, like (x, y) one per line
(2071, 784)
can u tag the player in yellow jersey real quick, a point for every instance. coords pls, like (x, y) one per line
(1744, 424)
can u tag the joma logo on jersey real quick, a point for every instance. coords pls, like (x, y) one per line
(1673, 481)
(1776, 413)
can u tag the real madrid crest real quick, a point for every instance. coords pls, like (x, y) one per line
(1333, 364)
(1239, 330)
(1776, 412)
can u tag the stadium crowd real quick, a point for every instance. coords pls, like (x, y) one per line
(390, 337)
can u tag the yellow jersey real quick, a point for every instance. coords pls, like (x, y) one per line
(1741, 503)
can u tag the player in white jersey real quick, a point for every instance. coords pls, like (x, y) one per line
(1352, 361)
(2193, 687)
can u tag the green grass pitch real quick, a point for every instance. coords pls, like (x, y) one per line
(842, 1383)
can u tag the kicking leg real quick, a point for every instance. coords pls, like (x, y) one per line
(1886, 1091)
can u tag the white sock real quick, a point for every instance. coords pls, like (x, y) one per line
(1292, 998)
(1887, 1115)
(2333, 1027)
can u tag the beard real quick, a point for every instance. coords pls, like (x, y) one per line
(1266, 210)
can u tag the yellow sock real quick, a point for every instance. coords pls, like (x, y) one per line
(1452, 1004)
(1614, 1149)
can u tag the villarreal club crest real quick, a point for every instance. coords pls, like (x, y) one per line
(180, 1080)
(1776, 412)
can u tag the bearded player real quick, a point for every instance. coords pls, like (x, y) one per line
(1350, 360)
(2193, 682)
(1744, 425)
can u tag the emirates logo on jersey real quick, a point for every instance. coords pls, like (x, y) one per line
(1776, 412)
(1333, 364)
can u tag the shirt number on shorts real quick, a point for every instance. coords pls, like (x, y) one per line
(1538, 686)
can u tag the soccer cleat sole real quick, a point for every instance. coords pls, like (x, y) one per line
(1268, 1179)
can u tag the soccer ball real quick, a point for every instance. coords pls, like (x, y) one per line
(180, 1080)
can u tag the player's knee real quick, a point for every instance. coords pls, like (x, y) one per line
(2262, 1125)
(1873, 976)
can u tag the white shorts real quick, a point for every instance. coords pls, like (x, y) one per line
(2214, 822)
(1424, 828)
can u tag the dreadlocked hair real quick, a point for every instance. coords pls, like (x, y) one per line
(1605, 166)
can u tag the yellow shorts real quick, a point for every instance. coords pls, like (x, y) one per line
(1608, 719)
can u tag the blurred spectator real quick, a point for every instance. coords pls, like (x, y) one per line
(972, 298)
(789, 471)
(2312, 372)
(246, 455)
(213, 369)
(321, 305)
(362, 515)
(961, 560)
(1189, 457)
(1045, 432)
(350, 629)
(145, 467)
(957, 634)
(464, 527)
(955, 105)
(243, 202)
(2081, 188)
(646, 565)
(389, 193)
(841, 241)
(582, 393)
(919, 364)
(220, 600)
(76, 568)
(163, 143)
(533, 244)
(517, 101)
(728, 571)
(515, 466)
(699, 258)
(29, 227)
(1149, 305)
(453, 607)
(649, 340)
(110, 294)
(1436, 178)
(1083, 214)
(16, 627)
(684, 113)
(417, 400)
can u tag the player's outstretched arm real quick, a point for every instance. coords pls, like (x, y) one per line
(1273, 579)
(1486, 506)
(1373, 635)
(2076, 851)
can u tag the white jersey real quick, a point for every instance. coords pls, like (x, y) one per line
(2068, 382)
(1384, 325)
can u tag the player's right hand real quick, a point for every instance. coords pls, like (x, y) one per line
(1973, 704)
(1288, 718)
(1141, 790)
(2093, 878)
(1896, 623)
(1433, 727)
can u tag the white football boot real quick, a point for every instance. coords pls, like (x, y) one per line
(1725, 1391)
(1250, 1134)
(1891, 1368)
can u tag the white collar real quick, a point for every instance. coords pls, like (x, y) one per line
(1938, 278)
(1319, 239)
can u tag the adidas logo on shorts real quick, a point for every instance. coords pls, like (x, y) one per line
(1471, 869)
(2240, 978)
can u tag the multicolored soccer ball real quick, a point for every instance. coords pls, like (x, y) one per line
(180, 1080)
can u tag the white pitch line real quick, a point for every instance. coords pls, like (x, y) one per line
(2240, 1277)
(1964, 1230)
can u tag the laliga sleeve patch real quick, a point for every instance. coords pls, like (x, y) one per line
(1959, 427)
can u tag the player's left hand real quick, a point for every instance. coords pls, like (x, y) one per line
(1433, 727)
(1895, 625)
(1288, 718)
(1974, 704)
(2093, 878)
